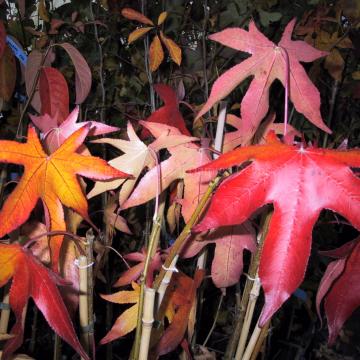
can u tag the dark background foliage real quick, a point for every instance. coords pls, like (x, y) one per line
(123, 94)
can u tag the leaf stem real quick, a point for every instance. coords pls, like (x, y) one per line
(334, 92)
(147, 67)
(215, 320)
(287, 84)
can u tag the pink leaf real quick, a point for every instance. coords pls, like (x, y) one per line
(82, 72)
(230, 241)
(267, 64)
(32, 67)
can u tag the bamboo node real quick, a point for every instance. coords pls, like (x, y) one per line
(89, 328)
(4, 306)
(170, 268)
(77, 263)
(250, 277)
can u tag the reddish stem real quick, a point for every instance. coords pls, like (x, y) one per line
(287, 77)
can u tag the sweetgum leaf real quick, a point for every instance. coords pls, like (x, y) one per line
(230, 241)
(184, 156)
(32, 279)
(266, 64)
(299, 181)
(168, 114)
(341, 287)
(51, 178)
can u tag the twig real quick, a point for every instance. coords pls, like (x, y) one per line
(287, 82)
(334, 93)
(101, 64)
(57, 347)
(204, 54)
(215, 320)
(118, 254)
(147, 66)
(34, 326)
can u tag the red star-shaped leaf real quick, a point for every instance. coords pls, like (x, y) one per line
(299, 181)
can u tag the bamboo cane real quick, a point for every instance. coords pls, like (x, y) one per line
(83, 301)
(254, 294)
(147, 322)
(166, 281)
(5, 312)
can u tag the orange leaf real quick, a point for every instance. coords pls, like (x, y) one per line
(132, 14)
(162, 17)
(182, 293)
(126, 322)
(32, 279)
(51, 178)
(7, 74)
(156, 53)
(173, 48)
(138, 33)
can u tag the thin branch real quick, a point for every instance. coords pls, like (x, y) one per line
(215, 320)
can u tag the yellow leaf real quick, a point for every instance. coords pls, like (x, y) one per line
(132, 14)
(124, 296)
(134, 35)
(162, 17)
(156, 53)
(43, 14)
(173, 48)
(124, 324)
